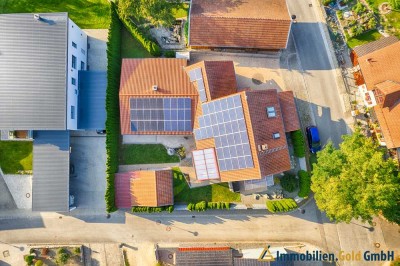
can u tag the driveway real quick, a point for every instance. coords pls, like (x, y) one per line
(88, 183)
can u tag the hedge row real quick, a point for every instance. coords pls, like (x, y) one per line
(304, 183)
(289, 182)
(282, 205)
(151, 46)
(169, 209)
(112, 106)
(298, 143)
(203, 205)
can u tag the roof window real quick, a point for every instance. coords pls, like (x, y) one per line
(271, 112)
(276, 135)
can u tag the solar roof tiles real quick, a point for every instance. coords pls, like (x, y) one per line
(205, 164)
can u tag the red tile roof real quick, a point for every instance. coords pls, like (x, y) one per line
(390, 92)
(122, 189)
(289, 111)
(261, 24)
(139, 75)
(389, 121)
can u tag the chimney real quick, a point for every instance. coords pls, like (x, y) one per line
(154, 87)
(264, 147)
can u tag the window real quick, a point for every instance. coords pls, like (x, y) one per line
(74, 45)
(82, 65)
(276, 135)
(83, 51)
(271, 112)
(73, 81)
(76, 92)
(72, 112)
(73, 62)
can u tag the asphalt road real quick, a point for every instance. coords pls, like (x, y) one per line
(324, 94)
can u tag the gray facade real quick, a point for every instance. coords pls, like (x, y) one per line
(50, 183)
(92, 100)
(33, 65)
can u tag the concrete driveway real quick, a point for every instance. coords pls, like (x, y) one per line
(88, 183)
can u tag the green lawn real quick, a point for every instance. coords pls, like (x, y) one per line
(145, 154)
(181, 12)
(88, 14)
(364, 38)
(215, 192)
(15, 156)
(131, 48)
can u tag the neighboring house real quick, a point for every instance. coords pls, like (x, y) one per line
(41, 57)
(251, 24)
(378, 67)
(156, 97)
(239, 135)
(144, 188)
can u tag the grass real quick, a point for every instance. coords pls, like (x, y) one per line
(15, 156)
(145, 154)
(211, 193)
(181, 12)
(364, 38)
(131, 48)
(88, 14)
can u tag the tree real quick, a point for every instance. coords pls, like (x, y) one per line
(355, 181)
(157, 12)
(372, 23)
(394, 4)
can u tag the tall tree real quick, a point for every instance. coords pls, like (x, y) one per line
(395, 4)
(355, 181)
(157, 12)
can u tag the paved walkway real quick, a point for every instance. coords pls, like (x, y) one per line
(20, 187)
(97, 53)
(6, 199)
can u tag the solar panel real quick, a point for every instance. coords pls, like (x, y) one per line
(205, 164)
(160, 114)
(223, 120)
(196, 75)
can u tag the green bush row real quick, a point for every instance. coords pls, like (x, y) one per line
(112, 106)
(203, 205)
(298, 143)
(282, 205)
(169, 209)
(151, 46)
(304, 183)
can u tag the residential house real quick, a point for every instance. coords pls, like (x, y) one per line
(144, 188)
(251, 24)
(41, 57)
(378, 70)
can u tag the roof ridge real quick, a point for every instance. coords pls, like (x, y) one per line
(244, 18)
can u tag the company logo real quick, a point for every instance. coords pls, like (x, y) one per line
(266, 255)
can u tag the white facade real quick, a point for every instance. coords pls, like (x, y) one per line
(77, 49)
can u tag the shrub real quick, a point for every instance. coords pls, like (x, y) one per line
(298, 143)
(29, 259)
(203, 206)
(169, 208)
(39, 263)
(149, 45)
(289, 182)
(227, 205)
(112, 106)
(186, 29)
(77, 250)
(359, 8)
(282, 205)
(326, 2)
(170, 54)
(339, 14)
(61, 251)
(62, 258)
(31, 250)
(304, 183)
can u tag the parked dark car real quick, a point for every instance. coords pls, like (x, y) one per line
(314, 142)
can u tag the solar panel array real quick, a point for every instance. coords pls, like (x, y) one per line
(205, 164)
(224, 121)
(161, 114)
(195, 75)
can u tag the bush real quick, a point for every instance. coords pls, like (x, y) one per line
(298, 143)
(282, 205)
(112, 106)
(186, 29)
(39, 263)
(304, 183)
(289, 182)
(203, 206)
(29, 259)
(326, 2)
(339, 14)
(359, 8)
(169, 208)
(149, 45)
(62, 258)
(77, 250)
(170, 54)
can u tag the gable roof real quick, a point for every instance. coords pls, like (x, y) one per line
(33, 64)
(389, 121)
(289, 111)
(390, 91)
(146, 188)
(206, 256)
(368, 48)
(262, 24)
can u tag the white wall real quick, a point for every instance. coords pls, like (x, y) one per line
(76, 35)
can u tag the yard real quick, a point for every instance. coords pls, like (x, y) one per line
(212, 193)
(131, 48)
(145, 154)
(88, 14)
(16, 156)
(364, 38)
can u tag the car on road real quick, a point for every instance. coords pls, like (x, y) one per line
(314, 142)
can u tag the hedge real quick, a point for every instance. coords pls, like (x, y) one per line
(203, 205)
(151, 46)
(170, 54)
(304, 183)
(169, 208)
(282, 205)
(298, 143)
(289, 182)
(112, 106)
